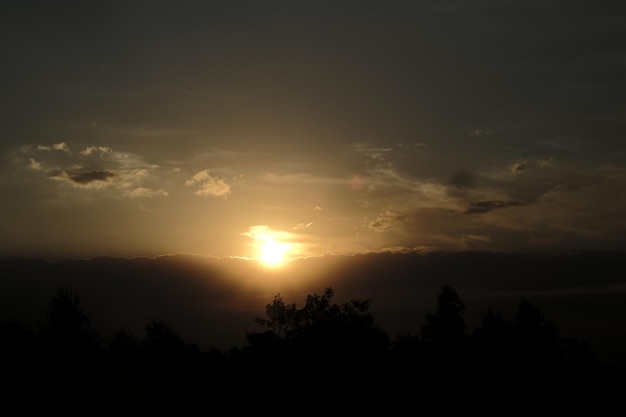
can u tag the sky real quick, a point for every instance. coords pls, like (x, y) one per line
(141, 128)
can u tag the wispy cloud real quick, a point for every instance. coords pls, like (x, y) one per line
(142, 192)
(385, 220)
(479, 238)
(263, 231)
(208, 185)
(96, 150)
(302, 178)
(376, 156)
(484, 131)
(62, 146)
(485, 206)
(302, 226)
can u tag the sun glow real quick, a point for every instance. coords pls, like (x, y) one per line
(273, 247)
(272, 252)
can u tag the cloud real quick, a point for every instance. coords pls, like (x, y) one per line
(384, 221)
(142, 192)
(95, 168)
(88, 180)
(421, 249)
(479, 238)
(35, 165)
(208, 185)
(62, 146)
(199, 177)
(482, 132)
(518, 167)
(376, 156)
(301, 226)
(585, 209)
(415, 145)
(97, 150)
(263, 231)
(544, 163)
(301, 178)
(214, 187)
(89, 176)
(485, 206)
(362, 147)
(463, 179)
(394, 189)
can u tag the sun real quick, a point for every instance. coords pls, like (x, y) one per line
(273, 252)
(272, 248)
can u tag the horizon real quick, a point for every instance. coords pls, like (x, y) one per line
(213, 301)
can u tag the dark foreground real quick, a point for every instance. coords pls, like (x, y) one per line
(322, 357)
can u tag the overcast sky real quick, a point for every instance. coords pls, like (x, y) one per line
(143, 128)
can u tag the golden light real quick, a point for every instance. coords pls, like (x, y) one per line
(272, 252)
(271, 247)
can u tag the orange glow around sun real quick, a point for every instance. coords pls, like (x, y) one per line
(271, 251)
(272, 247)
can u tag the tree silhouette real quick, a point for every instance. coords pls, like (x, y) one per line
(129, 387)
(324, 350)
(525, 360)
(22, 360)
(164, 362)
(535, 340)
(320, 338)
(124, 346)
(444, 330)
(281, 317)
(74, 370)
(66, 326)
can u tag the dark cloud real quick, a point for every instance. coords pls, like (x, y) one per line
(89, 176)
(463, 178)
(518, 167)
(485, 206)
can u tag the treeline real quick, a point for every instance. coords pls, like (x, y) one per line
(317, 357)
